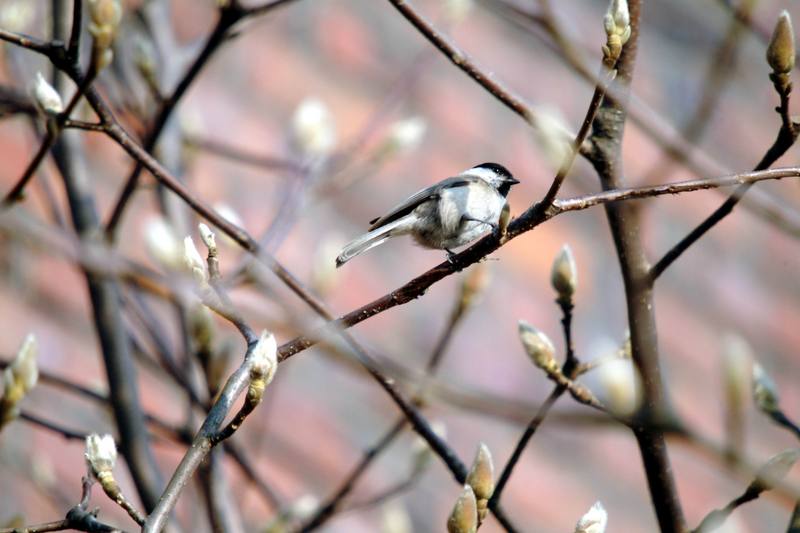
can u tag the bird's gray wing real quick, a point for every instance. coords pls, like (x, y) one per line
(428, 193)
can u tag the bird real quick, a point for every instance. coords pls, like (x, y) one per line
(446, 215)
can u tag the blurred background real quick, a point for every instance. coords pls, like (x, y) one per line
(321, 115)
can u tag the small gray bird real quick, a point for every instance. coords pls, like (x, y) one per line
(444, 216)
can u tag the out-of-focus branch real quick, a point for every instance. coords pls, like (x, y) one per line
(461, 60)
(230, 15)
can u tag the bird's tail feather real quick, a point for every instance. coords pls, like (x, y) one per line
(373, 238)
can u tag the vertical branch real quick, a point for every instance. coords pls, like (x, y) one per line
(623, 219)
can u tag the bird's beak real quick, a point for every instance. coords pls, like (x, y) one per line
(512, 180)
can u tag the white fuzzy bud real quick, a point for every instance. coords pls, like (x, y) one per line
(194, 261)
(264, 358)
(538, 346)
(208, 237)
(46, 97)
(101, 453)
(617, 20)
(24, 366)
(313, 128)
(162, 244)
(594, 521)
(621, 386)
(564, 274)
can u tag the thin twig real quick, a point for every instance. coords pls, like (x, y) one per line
(787, 135)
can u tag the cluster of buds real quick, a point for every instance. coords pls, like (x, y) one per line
(617, 23)
(18, 380)
(781, 53)
(105, 16)
(594, 521)
(464, 516)
(539, 348)
(481, 480)
(564, 276)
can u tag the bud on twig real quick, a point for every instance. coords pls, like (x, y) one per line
(194, 261)
(775, 470)
(464, 516)
(101, 454)
(765, 392)
(208, 237)
(481, 479)
(539, 347)
(264, 358)
(263, 364)
(781, 51)
(18, 379)
(105, 16)
(46, 97)
(564, 275)
(594, 521)
(617, 23)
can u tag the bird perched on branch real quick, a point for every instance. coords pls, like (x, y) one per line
(444, 216)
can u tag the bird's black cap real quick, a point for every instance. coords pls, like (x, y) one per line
(500, 170)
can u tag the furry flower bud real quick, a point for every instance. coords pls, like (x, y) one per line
(781, 51)
(539, 347)
(564, 274)
(264, 358)
(464, 516)
(101, 453)
(46, 97)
